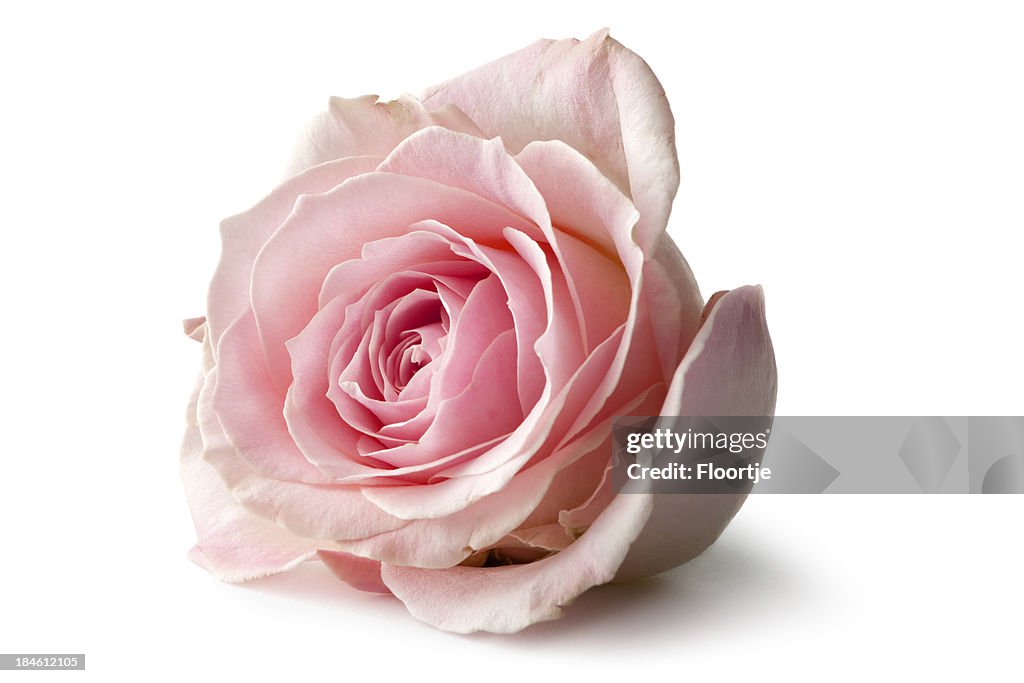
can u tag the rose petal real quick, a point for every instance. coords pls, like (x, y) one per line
(508, 599)
(480, 413)
(595, 222)
(195, 328)
(315, 397)
(575, 520)
(597, 97)
(482, 167)
(307, 509)
(729, 370)
(572, 486)
(312, 418)
(350, 280)
(590, 211)
(365, 125)
(447, 540)
(242, 237)
(303, 411)
(330, 228)
(483, 319)
(249, 409)
(673, 302)
(491, 471)
(526, 301)
(546, 537)
(357, 572)
(233, 544)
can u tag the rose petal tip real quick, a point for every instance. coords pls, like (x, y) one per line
(193, 328)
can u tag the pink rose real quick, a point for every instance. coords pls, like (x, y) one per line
(414, 347)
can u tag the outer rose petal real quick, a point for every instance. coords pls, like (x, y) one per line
(594, 95)
(242, 237)
(508, 599)
(729, 369)
(233, 544)
(365, 125)
(356, 571)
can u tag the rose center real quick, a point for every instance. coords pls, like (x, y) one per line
(415, 349)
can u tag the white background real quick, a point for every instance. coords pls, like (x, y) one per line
(863, 161)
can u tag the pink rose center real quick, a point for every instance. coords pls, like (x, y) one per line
(417, 343)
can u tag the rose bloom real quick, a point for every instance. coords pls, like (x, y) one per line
(415, 346)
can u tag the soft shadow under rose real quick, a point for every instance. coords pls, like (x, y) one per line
(414, 347)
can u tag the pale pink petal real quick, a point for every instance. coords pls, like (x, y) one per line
(596, 224)
(590, 208)
(415, 474)
(303, 408)
(306, 510)
(242, 237)
(537, 440)
(673, 302)
(491, 471)
(249, 409)
(729, 370)
(550, 345)
(730, 366)
(481, 412)
(366, 125)
(233, 544)
(508, 599)
(327, 229)
(484, 317)
(195, 328)
(571, 379)
(446, 540)
(329, 512)
(560, 347)
(576, 519)
(546, 537)
(357, 572)
(485, 168)
(634, 367)
(312, 419)
(526, 300)
(572, 486)
(596, 96)
(600, 288)
(255, 433)
(350, 280)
